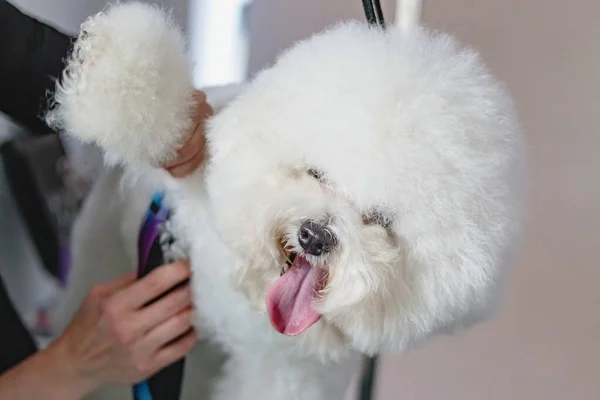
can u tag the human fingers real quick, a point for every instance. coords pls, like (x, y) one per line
(199, 96)
(203, 108)
(186, 169)
(152, 285)
(159, 312)
(114, 285)
(191, 155)
(174, 351)
(168, 332)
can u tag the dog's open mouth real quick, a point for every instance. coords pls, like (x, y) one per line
(289, 299)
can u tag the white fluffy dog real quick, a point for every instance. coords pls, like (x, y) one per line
(360, 196)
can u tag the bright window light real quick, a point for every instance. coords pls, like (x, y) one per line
(218, 41)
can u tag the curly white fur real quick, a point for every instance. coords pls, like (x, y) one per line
(410, 129)
(120, 64)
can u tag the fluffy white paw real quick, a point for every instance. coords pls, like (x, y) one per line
(127, 85)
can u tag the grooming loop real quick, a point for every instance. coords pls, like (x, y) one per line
(154, 250)
(373, 12)
(408, 15)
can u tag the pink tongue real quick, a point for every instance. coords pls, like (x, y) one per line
(289, 299)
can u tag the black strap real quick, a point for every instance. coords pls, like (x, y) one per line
(373, 12)
(374, 16)
(154, 250)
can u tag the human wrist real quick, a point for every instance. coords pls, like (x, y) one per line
(68, 372)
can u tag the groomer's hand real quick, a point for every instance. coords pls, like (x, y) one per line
(191, 155)
(115, 339)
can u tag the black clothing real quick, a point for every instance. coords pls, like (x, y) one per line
(31, 58)
(16, 343)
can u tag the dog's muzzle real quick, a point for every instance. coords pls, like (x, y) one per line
(315, 238)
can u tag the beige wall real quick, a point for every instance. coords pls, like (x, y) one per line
(275, 24)
(545, 344)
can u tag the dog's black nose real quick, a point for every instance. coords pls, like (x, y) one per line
(315, 238)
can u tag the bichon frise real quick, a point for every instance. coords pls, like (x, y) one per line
(360, 196)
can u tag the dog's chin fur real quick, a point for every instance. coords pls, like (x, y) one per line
(421, 169)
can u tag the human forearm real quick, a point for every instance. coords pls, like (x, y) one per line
(46, 375)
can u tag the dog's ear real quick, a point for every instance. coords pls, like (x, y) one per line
(127, 85)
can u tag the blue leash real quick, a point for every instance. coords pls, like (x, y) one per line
(166, 384)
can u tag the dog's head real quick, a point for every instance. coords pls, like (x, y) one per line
(370, 184)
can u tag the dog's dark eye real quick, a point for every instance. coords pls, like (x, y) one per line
(376, 217)
(315, 173)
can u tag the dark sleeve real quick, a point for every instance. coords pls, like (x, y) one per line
(16, 343)
(32, 56)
